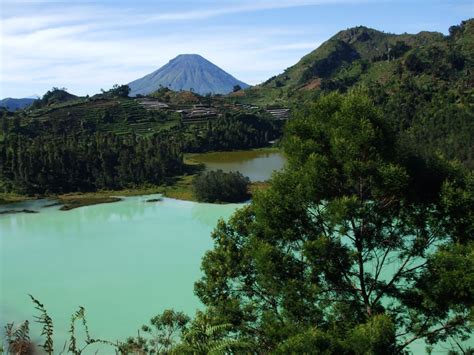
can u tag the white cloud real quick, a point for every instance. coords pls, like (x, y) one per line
(243, 6)
(86, 48)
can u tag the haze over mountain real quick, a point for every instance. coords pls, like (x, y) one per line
(187, 72)
(13, 104)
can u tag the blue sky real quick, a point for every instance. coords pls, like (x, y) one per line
(88, 45)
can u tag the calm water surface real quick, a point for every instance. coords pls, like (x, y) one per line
(258, 165)
(124, 262)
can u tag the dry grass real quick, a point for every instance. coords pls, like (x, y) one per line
(7, 198)
(75, 200)
(182, 189)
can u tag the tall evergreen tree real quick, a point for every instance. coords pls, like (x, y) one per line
(357, 246)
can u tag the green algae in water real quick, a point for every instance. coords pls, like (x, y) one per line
(258, 165)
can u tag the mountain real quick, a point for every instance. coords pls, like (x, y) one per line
(187, 72)
(363, 55)
(12, 104)
(423, 83)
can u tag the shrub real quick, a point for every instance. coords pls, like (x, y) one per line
(218, 186)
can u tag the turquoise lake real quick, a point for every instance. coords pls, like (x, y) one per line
(124, 262)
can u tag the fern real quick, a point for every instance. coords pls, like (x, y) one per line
(47, 323)
(204, 338)
(80, 314)
(227, 345)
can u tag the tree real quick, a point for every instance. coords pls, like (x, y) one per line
(161, 335)
(4, 124)
(347, 247)
(119, 91)
(236, 88)
(16, 124)
(173, 333)
(218, 186)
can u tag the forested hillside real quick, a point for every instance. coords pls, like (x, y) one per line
(424, 83)
(65, 143)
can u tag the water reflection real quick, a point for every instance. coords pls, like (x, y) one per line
(257, 165)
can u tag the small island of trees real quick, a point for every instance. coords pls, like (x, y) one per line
(219, 186)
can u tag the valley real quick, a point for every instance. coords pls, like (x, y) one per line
(342, 212)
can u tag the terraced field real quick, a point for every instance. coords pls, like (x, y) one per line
(119, 116)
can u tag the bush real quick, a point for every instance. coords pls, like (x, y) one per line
(218, 186)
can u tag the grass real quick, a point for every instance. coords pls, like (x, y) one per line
(258, 186)
(71, 202)
(181, 189)
(80, 199)
(7, 198)
(200, 158)
(76, 200)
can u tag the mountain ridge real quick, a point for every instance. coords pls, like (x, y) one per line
(14, 104)
(366, 56)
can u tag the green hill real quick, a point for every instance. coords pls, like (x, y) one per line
(364, 55)
(423, 82)
(53, 97)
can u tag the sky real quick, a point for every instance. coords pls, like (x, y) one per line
(85, 46)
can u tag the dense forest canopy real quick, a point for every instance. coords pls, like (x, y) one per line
(424, 83)
(82, 163)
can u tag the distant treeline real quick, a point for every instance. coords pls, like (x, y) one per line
(243, 131)
(86, 163)
(67, 154)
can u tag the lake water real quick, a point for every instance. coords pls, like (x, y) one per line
(258, 165)
(124, 262)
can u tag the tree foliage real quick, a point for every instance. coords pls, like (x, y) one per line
(241, 131)
(117, 91)
(218, 186)
(48, 164)
(53, 96)
(344, 253)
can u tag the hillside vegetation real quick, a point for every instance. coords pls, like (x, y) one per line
(424, 83)
(362, 244)
(65, 143)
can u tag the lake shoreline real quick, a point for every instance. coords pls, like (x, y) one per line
(181, 190)
(178, 187)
